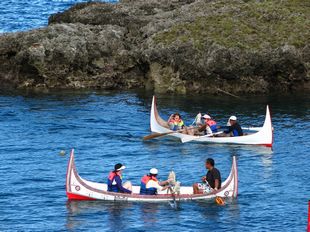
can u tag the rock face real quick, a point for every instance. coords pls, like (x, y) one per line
(182, 46)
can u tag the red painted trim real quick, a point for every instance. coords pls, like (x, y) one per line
(72, 196)
(308, 227)
(266, 145)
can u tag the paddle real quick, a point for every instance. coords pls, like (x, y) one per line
(219, 200)
(156, 135)
(173, 196)
(191, 138)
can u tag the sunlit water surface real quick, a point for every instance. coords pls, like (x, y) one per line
(106, 128)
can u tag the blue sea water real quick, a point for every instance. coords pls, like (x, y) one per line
(107, 127)
(21, 15)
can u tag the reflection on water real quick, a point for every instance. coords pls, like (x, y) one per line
(106, 128)
(148, 212)
(111, 212)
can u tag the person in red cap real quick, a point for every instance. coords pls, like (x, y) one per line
(115, 181)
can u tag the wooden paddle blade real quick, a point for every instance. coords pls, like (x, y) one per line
(219, 201)
(155, 135)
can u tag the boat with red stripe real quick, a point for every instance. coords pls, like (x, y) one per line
(78, 188)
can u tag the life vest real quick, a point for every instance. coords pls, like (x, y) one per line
(235, 132)
(176, 124)
(212, 124)
(147, 191)
(112, 186)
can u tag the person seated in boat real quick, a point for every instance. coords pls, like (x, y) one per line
(175, 122)
(209, 126)
(150, 184)
(234, 129)
(115, 180)
(211, 181)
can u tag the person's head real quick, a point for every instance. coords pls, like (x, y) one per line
(206, 117)
(209, 163)
(232, 120)
(153, 172)
(177, 116)
(118, 168)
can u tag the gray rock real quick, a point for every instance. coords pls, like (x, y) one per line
(183, 46)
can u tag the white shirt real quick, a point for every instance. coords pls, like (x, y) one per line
(153, 184)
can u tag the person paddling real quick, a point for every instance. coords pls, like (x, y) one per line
(115, 180)
(209, 127)
(211, 181)
(234, 129)
(150, 184)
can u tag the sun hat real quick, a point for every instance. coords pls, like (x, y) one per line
(206, 116)
(119, 167)
(153, 171)
(233, 118)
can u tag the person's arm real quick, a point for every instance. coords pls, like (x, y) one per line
(228, 130)
(120, 186)
(163, 183)
(202, 128)
(240, 131)
(169, 119)
(155, 184)
(216, 184)
(216, 176)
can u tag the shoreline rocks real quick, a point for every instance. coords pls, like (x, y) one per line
(168, 46)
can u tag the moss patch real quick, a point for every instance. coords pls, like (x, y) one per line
(246, 25)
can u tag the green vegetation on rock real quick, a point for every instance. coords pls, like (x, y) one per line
(246, 25)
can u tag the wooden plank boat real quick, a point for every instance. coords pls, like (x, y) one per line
(79, 189)
(261, 136)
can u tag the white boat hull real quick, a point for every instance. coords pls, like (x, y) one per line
(79, 189)
(262, 136)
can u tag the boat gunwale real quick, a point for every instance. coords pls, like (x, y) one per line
(197, 138)
(72, 170)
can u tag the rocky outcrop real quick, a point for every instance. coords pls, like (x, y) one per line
(183, 46)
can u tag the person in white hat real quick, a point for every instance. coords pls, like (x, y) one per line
(210, 125)
(234, 129)
(150, 184)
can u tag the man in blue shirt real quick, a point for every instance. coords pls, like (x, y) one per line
(234, 129)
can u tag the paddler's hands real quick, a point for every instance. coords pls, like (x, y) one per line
(204, 179)
(171, 182)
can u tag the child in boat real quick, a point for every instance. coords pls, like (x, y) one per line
(175, 122)
(115, 181)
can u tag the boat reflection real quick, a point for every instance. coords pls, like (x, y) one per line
(110, 212)
(214, 212)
